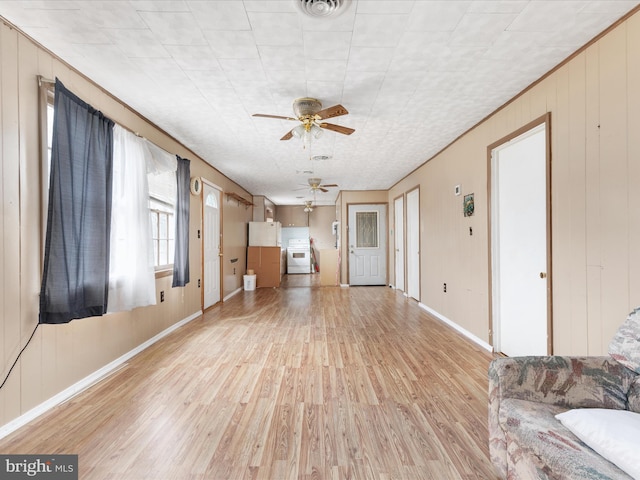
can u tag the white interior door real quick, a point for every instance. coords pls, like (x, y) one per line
(399, 241)
(519, 245)
(413, 244)
(211, 245)
(367, 244)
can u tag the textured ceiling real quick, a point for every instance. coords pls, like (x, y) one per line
(413, 74)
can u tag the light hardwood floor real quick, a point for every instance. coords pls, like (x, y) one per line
(285, 383)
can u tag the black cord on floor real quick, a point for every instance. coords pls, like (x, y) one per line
(19, 355)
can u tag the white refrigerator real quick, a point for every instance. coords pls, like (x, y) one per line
(265, 234)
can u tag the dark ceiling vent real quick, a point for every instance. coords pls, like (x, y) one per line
(322, 8)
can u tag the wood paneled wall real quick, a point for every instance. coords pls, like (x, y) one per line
(594, 101)
(61, 355)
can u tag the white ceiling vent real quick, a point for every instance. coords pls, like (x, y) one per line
(322, 8)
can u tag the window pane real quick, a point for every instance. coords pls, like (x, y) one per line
(164, 227)
(172, 251)
(172, 227)
(211, 201)
(154, 225)
(367, 229)
(49, 136)
(156, 260)
(162, 198)
(163, 187)
(163, 252)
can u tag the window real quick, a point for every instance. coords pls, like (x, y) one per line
(162, 187)
(163, 227)
(162, 200)
(367, 229)
(46, 138)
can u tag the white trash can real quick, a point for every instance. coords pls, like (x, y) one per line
(249, 282)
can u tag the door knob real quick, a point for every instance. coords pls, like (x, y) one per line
(543, 275)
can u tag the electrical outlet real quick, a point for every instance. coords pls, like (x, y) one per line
(198, 283)
(162, 296)
(444, 287)
(234, 270)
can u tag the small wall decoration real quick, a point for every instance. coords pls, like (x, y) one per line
(195, 185)
(468, 205)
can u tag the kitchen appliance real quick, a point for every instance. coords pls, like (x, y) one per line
(299, 255)
(265, 234)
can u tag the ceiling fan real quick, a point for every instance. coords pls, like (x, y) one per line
(308, 206)
(309, 112)
(315, 185)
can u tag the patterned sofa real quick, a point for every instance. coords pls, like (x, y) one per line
(527, 441)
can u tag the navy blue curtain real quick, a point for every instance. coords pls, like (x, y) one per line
(181, 255)
(75, 280)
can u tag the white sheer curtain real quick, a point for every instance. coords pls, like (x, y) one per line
(160, 161)
(131, 273)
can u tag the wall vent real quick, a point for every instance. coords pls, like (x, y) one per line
(322, 8)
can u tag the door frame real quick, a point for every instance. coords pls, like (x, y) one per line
(399, 198)
(202, 234)
(408, 258)
(546, 120)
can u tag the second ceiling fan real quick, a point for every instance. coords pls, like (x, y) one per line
(310, 113)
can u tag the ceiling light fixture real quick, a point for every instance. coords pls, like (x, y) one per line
(307, 132)
(308, 207)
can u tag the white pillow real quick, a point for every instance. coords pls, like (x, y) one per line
(614, 434)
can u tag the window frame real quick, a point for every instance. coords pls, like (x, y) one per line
(45, 112)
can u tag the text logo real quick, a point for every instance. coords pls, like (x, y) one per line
(49, 467)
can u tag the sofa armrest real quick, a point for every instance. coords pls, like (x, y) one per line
(571, 382)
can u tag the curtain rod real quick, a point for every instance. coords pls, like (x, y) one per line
(42, 80)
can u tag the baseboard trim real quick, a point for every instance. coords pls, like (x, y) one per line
(235, 292)
(457, 327)
(89, 380)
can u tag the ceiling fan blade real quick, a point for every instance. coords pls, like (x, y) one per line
(331, 112)
(337, 128)
(287, 135)
(323, 189)
(329, 185)
(272, 116)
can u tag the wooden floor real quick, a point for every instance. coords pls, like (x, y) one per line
(297, 382)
